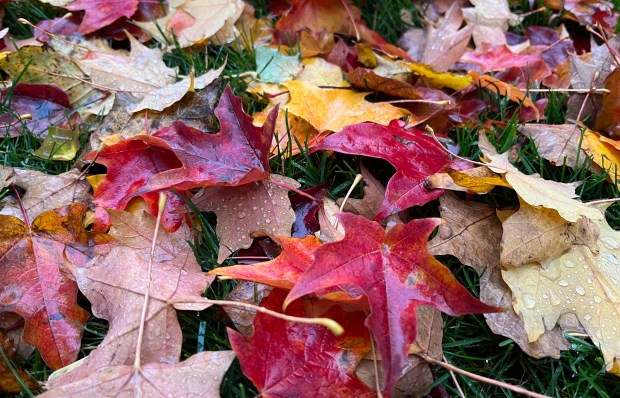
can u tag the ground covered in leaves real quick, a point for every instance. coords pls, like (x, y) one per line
(309, 198)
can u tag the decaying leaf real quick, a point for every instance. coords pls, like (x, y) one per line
(32, 262)
(559, 144)
(535, 235)
(8, 382)
(369, 205)
(578, 282)
(260, 206)
(479, 180)
(537, 191)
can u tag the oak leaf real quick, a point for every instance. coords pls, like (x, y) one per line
(537, 191)
(414, 154)
(258, 207)
(578, 282)
(32, 261)
(302, 360)
(396, 274)
(536, 235)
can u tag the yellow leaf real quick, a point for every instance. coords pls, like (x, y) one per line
(59, 144)
(505, 89)
(537, 191)
(95, 179)
(603, 153)
(439, 79)
(322, 73)
(333, 109)
(577, 282)
(479, 180)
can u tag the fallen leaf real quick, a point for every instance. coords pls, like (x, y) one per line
(45, 66)
(413, 153)
(441, 46)
(166, 96)
(46, 192)
(507, 90)
(459, 235)
(274, 67)
(578, 282)
(607, 119)
(282, 272)
(537, 235)
(294, 359)
(479, 180)
(245, 292)
(7, 175)
(258, 207)
(559, 144)
(59, 144)
(366, 79)
(439, 79)
(193, 21)
(369, 205)
(238, 154)
(99, 14)
(490, 19)
(319, 72)
(537, 191)
(32, 260)
(333, 109)
(9, 383)
(396, 274)
(199, 375)
(47, 106)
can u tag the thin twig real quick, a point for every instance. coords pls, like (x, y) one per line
(376, 365)
(21, 205)
(568, 90)
(517, 389)
(456, 382)
(297, 191)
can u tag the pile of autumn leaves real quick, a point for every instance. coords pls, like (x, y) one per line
(551, 266)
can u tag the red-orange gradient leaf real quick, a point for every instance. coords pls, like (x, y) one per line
(396, 273)
(33, 284)
(288, 359)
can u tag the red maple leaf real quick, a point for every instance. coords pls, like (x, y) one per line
(413, 153)
(396, 274)
(100, 13)
(288, 359)
(237, 155)
(130, 165)
(32, 258)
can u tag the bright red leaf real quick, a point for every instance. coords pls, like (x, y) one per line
(48, 105)
(413, 152)
(130, 165)
(287, 359)
(237, 155)
(396, 274)
(32, 260)
(101, 13)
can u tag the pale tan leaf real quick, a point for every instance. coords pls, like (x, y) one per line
(559, 144)
(536, 235)
(577, 282)
(537, 191)
(198, 376)
(7, 174)
(259, 207)
(369, 205)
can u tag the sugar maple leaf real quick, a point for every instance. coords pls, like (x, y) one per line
(199, 375)
(48, 105)
(32, 258)
(414, 154)
(237, 155)
(288, 359)
(396, 274)
(101, 13)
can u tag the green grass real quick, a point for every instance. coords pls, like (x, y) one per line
(468, 342)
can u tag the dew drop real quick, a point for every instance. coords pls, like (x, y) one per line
(570, 264)
(580, 290)
(568, 301)
(554, 299)
(254, 207)
(545, 296)
(529, 301)
(241, 214)
(610, 257)
(597, 299)
(614, 281)
(609, 242)
(267, 220)
(589, 280)
(563, 282)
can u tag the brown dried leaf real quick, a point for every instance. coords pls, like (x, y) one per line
(559, 144)
(245, 292)
(8, 383)
(47, 192)
(259, 207)
(198, 376)
(369, 205)
(537, 235)
(459, 234)
(7, 174)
